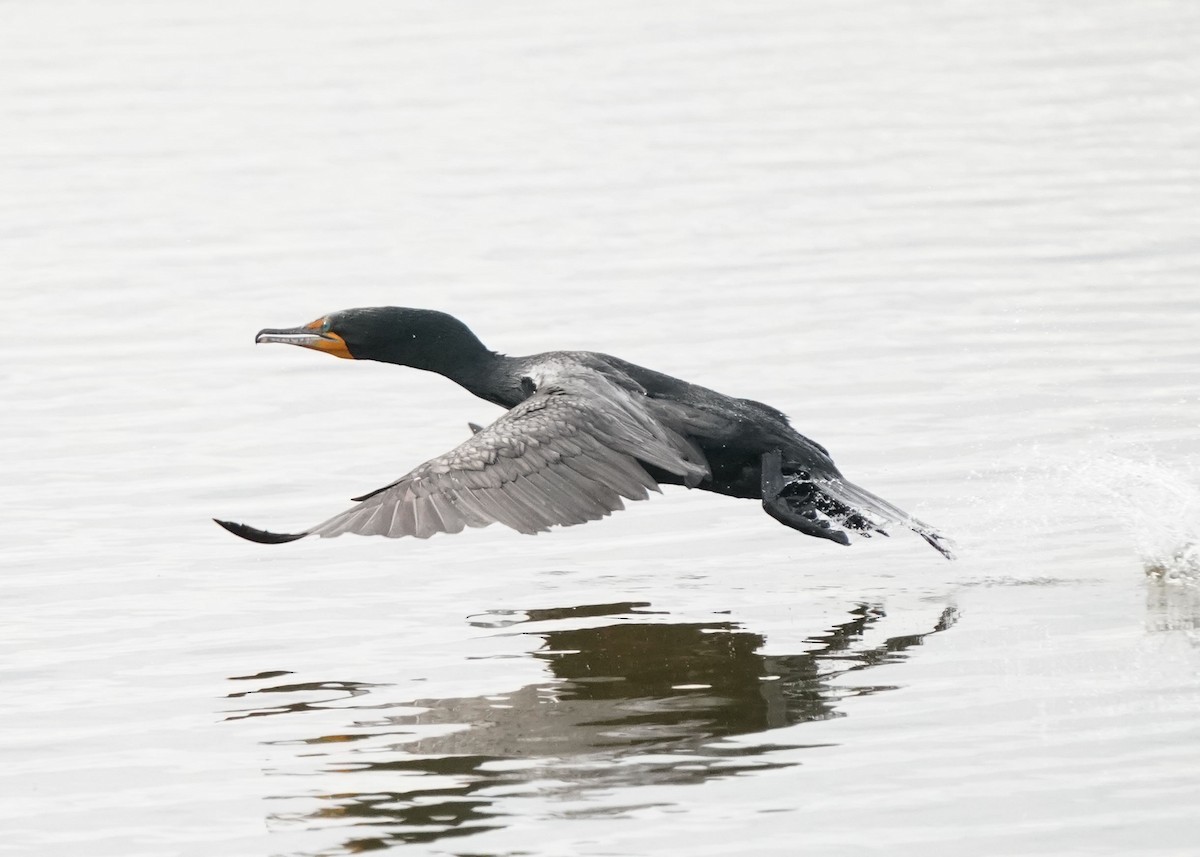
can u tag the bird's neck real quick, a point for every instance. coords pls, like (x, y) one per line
(443, 344)
(485, 373)
(472, 366)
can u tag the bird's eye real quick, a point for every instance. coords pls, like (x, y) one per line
(326, 326)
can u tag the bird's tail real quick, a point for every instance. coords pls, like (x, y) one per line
(818, 502)
(858, 510)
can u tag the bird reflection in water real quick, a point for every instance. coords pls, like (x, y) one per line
(628, 703)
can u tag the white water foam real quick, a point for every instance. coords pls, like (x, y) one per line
(1054, 498)
(1158, 504)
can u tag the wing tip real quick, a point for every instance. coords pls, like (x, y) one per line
(262, 537)
(941, 544)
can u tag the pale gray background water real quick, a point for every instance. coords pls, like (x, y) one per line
(958, 242)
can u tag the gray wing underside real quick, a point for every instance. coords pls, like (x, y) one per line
(568, 454)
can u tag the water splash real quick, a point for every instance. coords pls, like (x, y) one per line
(1157, 504)
(1053, 500)
(1182, 566)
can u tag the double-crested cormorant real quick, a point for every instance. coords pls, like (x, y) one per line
(582, 431)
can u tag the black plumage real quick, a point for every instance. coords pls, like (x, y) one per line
(582, 431)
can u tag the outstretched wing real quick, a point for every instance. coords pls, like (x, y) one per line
(566, 455)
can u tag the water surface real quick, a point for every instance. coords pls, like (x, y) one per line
(955, 242)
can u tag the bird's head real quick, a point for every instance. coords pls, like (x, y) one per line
(421, 338)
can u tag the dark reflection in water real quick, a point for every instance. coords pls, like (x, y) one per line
(633, 702)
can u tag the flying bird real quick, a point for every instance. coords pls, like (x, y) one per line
(581, 431)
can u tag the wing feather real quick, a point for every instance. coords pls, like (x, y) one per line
(376, 523)
(497, 506)
(427, 518)
(577, 507)
(566, 455)
(625, 477)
